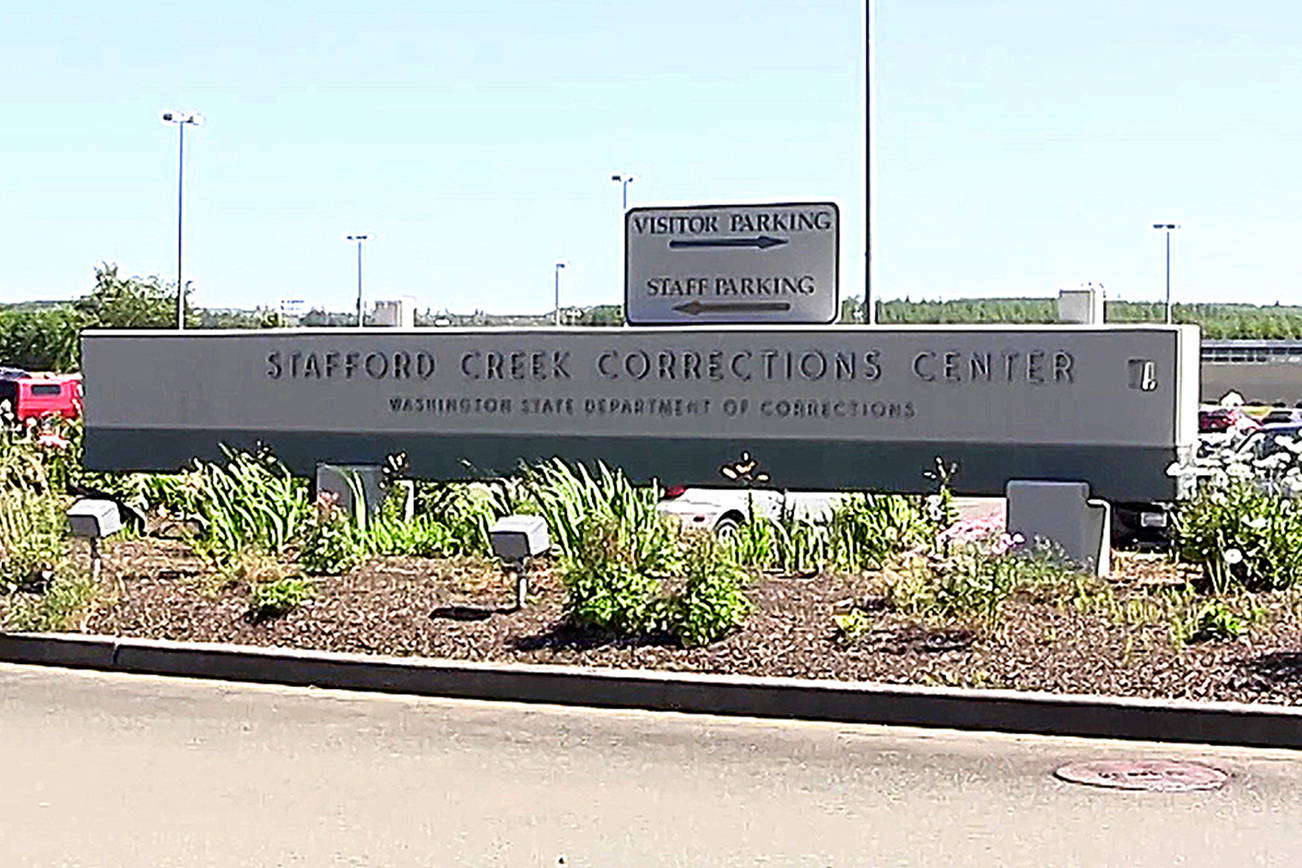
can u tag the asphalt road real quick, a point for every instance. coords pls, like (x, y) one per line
(118, 770)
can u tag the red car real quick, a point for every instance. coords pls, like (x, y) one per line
(1221, 419)
(41, 396)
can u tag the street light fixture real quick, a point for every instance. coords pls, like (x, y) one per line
(1167, 227)
(359, 239)
(556, 314)
(623, 181)
(180, 119)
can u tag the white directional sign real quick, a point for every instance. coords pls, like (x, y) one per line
(732, 264)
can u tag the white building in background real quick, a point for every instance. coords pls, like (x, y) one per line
(397, 312)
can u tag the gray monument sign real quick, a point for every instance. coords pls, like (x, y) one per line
(846, 407)
(732, 264)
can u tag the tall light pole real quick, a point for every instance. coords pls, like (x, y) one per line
(180, 119)
(870, 125)
(1167, 227)
(359, 239)
(556, 314)
(623, 181)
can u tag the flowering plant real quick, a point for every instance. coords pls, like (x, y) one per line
(1244, 523)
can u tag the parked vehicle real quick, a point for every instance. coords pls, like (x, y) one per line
(723, 510)
(35, 397)
(1266, 441)
(1218, 420)
(1283, 416)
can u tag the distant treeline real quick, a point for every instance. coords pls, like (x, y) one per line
(44, 335)
(1244, 321)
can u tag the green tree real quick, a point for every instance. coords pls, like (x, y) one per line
(119, 302)
(40, 340)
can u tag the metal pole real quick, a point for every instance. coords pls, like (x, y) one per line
(359, 284)
(556, 312)
(870, 312)
(1168, 276)
(180, 177)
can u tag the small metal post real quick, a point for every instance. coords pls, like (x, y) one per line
(521, 588)
(96, 562)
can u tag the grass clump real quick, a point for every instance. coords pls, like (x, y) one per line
(973, 581)
(866, 530)
(277, 597)
(250, 501)
(64, 605)
(862, 532)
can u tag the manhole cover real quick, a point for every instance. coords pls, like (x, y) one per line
(1158, 776)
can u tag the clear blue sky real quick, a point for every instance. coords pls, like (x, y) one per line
(1024, 145)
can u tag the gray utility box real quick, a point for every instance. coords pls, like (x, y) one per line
(519, 537)
(341, 479)
(94, 519)
(1064, 515)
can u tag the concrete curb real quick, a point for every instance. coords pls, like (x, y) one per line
(1222, 723)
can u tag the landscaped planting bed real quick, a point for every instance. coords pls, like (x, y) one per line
(887, 588)
(459, 608)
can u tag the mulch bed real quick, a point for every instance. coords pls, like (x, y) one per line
(461, 609)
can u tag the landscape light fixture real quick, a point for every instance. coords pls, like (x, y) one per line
(180, 119)
(359, 239)
(1167, 227)
(623, 181)
(516, 540)
(556, 313)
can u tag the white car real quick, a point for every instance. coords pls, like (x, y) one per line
(723, 510)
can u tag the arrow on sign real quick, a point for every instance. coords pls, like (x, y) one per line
(763, 242)
(699, 307)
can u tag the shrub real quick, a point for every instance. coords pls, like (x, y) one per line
(333, 544)
(711, 602)
(271, 599)
(32, 547)
(1236, 532)
(605, 587)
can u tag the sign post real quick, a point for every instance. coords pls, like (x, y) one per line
(732, 264)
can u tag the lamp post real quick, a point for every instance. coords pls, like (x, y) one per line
(180, 119)
(359, 239)
(1167, 227)
(870, 165)
(556, 314)
(623, 181)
